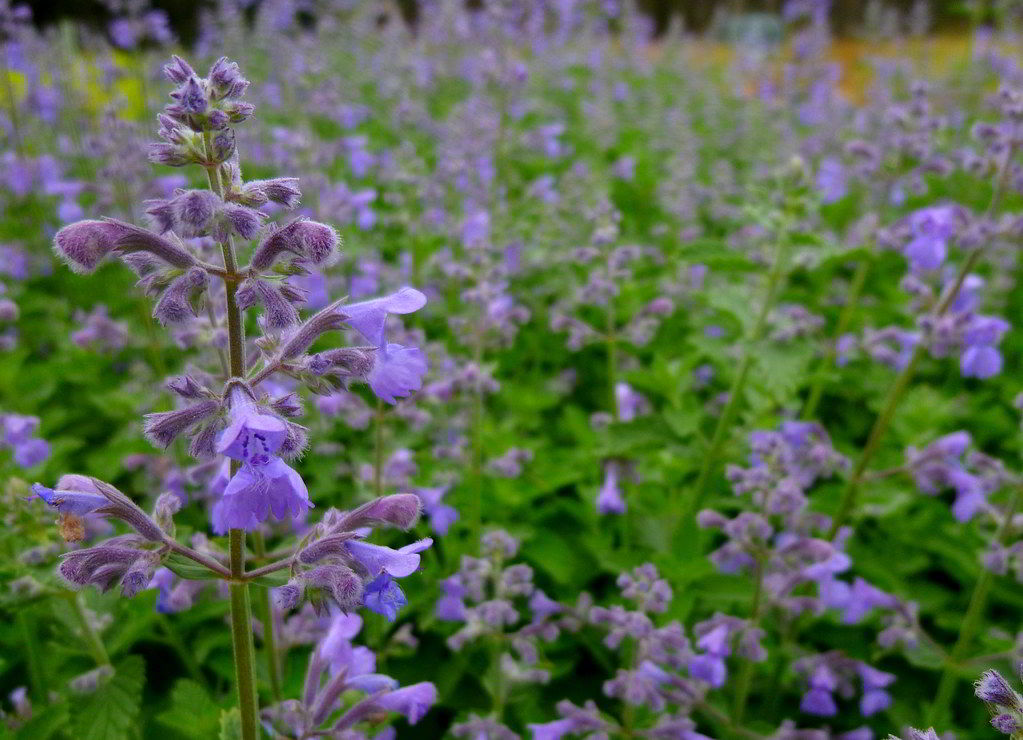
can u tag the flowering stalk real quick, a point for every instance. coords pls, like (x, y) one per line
(971, 620)
(848, 501)
(241, 608)
(859, 279)
(745, 676)
(735, 392)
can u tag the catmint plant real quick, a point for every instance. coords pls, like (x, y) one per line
(237, 416)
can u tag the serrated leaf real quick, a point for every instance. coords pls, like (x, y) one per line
(192, 711)
(45, 724)
(111, 712)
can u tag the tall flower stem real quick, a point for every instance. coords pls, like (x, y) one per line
(735, 392)
(971, 620)
(378, 450)
(852, 300)
(848, 501)
(241, 608)
(745, 676)
(267, 615)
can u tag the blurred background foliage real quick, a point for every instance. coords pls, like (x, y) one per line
(848, 17)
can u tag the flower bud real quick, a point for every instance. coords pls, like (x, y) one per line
(325, 547)
(177, 70)
(348, 361)
(164, 427)
(279, 314)
(994, 689)
(139, 574)
(339, 582)
(83, 244)
(309, 240)
(286, 597)
(398, 510)
(175, 305)
(282, 190)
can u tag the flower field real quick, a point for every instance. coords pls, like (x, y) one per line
(509, 370)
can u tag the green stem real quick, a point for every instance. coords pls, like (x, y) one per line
(898, 390)
(241, 608)
(32, 657)
(241, 638)
(92, 638)
(735, 392)
(877, 432)
(971, 621)
(859, 279)
(267, 615)
(378, 450)
(745, 676)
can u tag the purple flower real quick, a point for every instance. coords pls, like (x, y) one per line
(931, 230)
(257, 490)
(609, 498)
(441, 515)
(264, 483)
(397, 371)
(831, 180)
(377, 559)
(411, 701)
(875, 699)
(710, 666)
(451, 606)
(384, 596)
(70, 502)
(980, 362)
(252, 437)
(369, 317)
(818, 700)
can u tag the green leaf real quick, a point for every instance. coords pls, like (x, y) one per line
(111, 712)
(44, 724)
(189, 569)
(192, 712)
(278, 578)
(231, 724)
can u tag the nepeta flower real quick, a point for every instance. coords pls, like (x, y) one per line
(264, 484)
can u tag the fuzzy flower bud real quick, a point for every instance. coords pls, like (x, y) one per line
(164, 427)
(994, 689)
(175, 305)
(309, 240)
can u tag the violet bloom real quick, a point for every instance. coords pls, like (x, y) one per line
(396, 370)
(610, 499)
(831, 180)
(383, 564)
(818, 699)
(630, 403)
(931, 230)
(451, 606)
(441, 515)
(980, 358)
(710, 666)
(875, 699)
(19, 435)
(264, 483)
